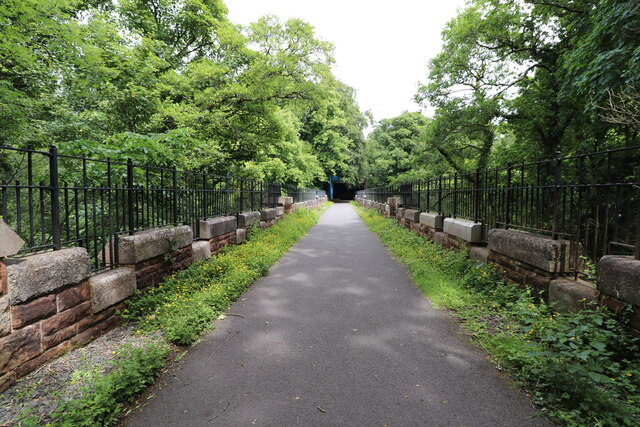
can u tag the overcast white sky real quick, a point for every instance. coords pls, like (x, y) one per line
(382, 47)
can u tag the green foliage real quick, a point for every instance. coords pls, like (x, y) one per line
(103, 395)
(391, 146)
(184, 305)
(582, 368)
(178, 79)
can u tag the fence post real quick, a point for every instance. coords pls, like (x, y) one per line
(507, 197)
(637, 251)
(130, 200)
(477, 198)
(174, 190)
(55, 197)
(440, 196)
(455, 195)
(557, 165)
(241, 207)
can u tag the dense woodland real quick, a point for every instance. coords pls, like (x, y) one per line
(174, 82)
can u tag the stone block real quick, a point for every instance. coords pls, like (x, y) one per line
(200, 250)
(387, 210)
(469, 231)
(3, 278)
(412, 215)
(571, 295)
(5, 316)
(152, 243)
(539, 251)
(26, 314)
(619, 277)
(43, 273)
(268, 214)
(432, 220)
(285, 200)
(214, 227)
(479, 254)
(73, 296)
(65, 318)
(400, 212)
(111, 287)
(393, 202)
(245, 219)
(20, 346)
(241, 235)
(439, 237)
(10, 242)
(279, 211)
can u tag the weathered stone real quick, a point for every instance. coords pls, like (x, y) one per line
(214, 227)
(279, 211)
(268, 214)
(387, 210)
(150, 244)
(7, 380)
(412, 215)
(539, 251)
(285, 200)
(400, 212)
(479, 254)
(200, 250)
(20, 346)
(619, 277)
(439, 237)
(10, 242)
(5, 316)
(3, 278)
(111, 287)
(571, 295)
(26, 314)
(66, 318)
(463, 229)
(241, 235)
(45, 357)
(432, 220)
(40, 274)
(73, 296)
(393, 202)
(245, 219)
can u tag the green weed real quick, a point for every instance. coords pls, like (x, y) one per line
(582, 368)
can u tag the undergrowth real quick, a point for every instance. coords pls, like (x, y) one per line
(581, 368)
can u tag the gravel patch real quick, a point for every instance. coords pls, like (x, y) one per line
(40, 392)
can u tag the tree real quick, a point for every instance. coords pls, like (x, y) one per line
(391, 148)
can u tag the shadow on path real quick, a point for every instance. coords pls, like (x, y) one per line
(336, 335)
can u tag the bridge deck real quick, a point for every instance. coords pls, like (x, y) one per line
(337, 334)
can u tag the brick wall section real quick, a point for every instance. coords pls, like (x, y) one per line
(219, 242)
(46, 327)
(38, 328)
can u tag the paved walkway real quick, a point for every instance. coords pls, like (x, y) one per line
(336, 335)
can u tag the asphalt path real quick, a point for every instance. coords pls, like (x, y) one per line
(336, 334)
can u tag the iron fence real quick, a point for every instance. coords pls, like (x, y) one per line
(592, 200)
(53, 200)
(304, 194)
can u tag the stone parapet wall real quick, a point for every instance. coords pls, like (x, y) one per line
(51, 302)
(45, 312)
(529, 259)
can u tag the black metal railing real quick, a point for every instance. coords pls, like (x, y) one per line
(592, 199)
(304, 194)
(53, 200)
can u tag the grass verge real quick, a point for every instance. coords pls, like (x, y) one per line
(581, 368)
(182, 308)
